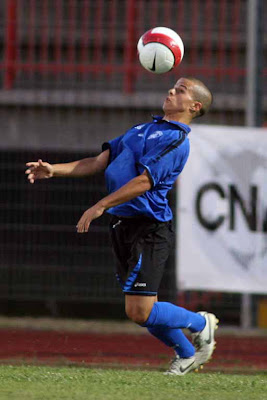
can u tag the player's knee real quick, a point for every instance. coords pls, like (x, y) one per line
(139, 315)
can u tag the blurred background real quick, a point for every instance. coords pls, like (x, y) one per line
(69, 80)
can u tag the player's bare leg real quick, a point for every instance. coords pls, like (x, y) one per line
(138, 308)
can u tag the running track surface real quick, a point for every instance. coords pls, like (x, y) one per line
(125, 350)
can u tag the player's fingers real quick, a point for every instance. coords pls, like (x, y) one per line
(79, 226)
(86, 226)
(41, 163)
(34, 175)
(31, 176)
(32, 164)
(83, 225)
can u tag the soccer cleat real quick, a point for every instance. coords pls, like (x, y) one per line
(204, 340)
(181, 366)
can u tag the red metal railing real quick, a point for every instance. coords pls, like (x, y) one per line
(99, 37)
(11, 44)
(130, 49)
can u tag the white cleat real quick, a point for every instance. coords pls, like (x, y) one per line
(181, 366)
(204, 340)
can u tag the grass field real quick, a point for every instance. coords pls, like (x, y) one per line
(72, 360)
(73, 383)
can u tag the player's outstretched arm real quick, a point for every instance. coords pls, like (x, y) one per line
(134, 188)
(85, 167)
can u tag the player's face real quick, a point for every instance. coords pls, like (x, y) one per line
(180, 97)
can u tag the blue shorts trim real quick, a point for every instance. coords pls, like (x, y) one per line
(132, 277)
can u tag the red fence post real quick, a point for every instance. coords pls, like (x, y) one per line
(10, 43)
(130, 51)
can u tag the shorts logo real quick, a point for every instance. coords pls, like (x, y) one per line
(155, 135)
(139, 284)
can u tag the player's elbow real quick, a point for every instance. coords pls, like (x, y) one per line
(145, 181)
(144, 185)
(101, 161)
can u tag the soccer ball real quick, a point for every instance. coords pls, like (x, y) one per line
(160, 50)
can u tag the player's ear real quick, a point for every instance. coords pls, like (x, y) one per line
(196, 106)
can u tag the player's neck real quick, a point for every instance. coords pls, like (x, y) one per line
(185, 119)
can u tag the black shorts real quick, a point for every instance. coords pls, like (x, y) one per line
(142, 247)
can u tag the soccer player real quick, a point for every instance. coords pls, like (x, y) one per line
(140, 167)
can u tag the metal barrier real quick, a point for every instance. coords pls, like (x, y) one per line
(44, 261)
(76, 40)
(42, 258)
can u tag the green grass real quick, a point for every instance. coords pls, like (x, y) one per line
(73, 383)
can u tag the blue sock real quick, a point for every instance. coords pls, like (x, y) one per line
(164, 322)
(174, 338)
(171, 316)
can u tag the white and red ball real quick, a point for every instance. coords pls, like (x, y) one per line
(160, 49)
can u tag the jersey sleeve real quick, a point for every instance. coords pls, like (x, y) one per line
(165, 159)
(113, 146)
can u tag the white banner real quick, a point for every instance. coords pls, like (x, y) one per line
(222, 211)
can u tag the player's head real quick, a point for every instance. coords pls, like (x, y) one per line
(189, 99)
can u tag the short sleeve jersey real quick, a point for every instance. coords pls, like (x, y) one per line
(160, 147)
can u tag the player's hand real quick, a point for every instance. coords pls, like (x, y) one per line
(88, 216)
(38, 170)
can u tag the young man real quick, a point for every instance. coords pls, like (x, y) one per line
(141, 166)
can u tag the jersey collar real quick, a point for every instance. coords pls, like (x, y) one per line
(184, 127)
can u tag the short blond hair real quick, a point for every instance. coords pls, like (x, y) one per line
(202, 94)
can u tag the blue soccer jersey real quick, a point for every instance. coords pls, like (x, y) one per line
(162, 148)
